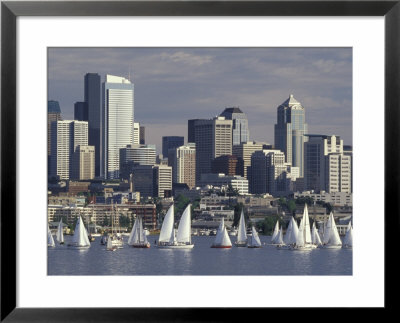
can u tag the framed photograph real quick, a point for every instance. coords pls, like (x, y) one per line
(149, 79)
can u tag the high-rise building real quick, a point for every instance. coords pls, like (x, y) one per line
(162, 180)
(66, 137)
(83, 163)
(80, 111)
(227, 164)
(326, 166)
(240, 126)
(136, 133)
(171, 142)
(184, 165)
(290, 130)
(213, 138)
(53, 114)
(244, 152)
(142, 139)
(92, 98)
(269, 173)
(117, 130)
(133, 155)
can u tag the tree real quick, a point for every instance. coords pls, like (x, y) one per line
(268, 224)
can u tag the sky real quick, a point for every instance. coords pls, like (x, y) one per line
(173, 85)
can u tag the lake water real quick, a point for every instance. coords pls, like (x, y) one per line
(201, 260)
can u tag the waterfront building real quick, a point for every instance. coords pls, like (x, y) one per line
(92, 99)
(80, 111)
(83, 163)
(327, 167)
(290, 130)
(136, 133)
(184, 165)
(213, 138)
(228, 164)
(171, 142)
(117, 130)
(240, 127)
(238, 183)
(66, 136)
(244, 150)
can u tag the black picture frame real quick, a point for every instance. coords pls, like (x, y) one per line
(11, 10)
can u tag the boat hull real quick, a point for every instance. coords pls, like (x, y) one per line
(347, 247)
(331, 247)
(186, 246)
(141, 245)
(241, 244)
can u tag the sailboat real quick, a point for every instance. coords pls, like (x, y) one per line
(80, 239)
(275, 233)
(254, 240)
(50, 240)
(241, 240)
(116, 239)
(279, 238)
(303, 239)
(222, 239)
(110, 246)
(183, 237)
(348, 238)
(290, 236)
(331, 239)
(316, 240)
(137, 238)
(60, 233)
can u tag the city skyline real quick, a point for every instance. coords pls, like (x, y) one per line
(173, 85)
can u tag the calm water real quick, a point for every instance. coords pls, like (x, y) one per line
(201, 260)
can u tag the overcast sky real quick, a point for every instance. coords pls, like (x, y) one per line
(173, 85)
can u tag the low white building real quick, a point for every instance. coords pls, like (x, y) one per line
(334, 198)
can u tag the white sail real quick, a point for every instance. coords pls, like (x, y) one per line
(220, 233)
(331, 234)
(60, 233)
(275, 233)
(167, 233)
(133, 235)
(279, 239)
(348, 238)
(292, 232)
(307, 229)
(184, 227)
(315, 236)
(109, 243)
(80, 237)
(241, 236)
(50, 240)
(289, 230)
(300, 241)
(254, 240)
(226, 241)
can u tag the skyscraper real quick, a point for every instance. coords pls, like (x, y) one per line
(83, 163)
(213, 138)
(171, 142)
(290, 130)
(184, 165)
(136, 133)
(66, 137)
(80, 111)
(240, 126)
(326, 166)
(117, 126)
(133, 155)
(53, 114)
(92, 99)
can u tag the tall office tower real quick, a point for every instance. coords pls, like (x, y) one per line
(53, 114)
(80, 111)
(83, 163)
(290, 130)
(117, 129)
(92, 98)
(133, 155)
(143, 179)
(66, 137)
(184, 165)
(271, 174)
(136, 133)
(171, 142)
(142, 139)
(191, 133)
(162, 181)
(213, 138)
(348, 151)
(227, 164)
(244, 152)
(326, 166)
(240, 126)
